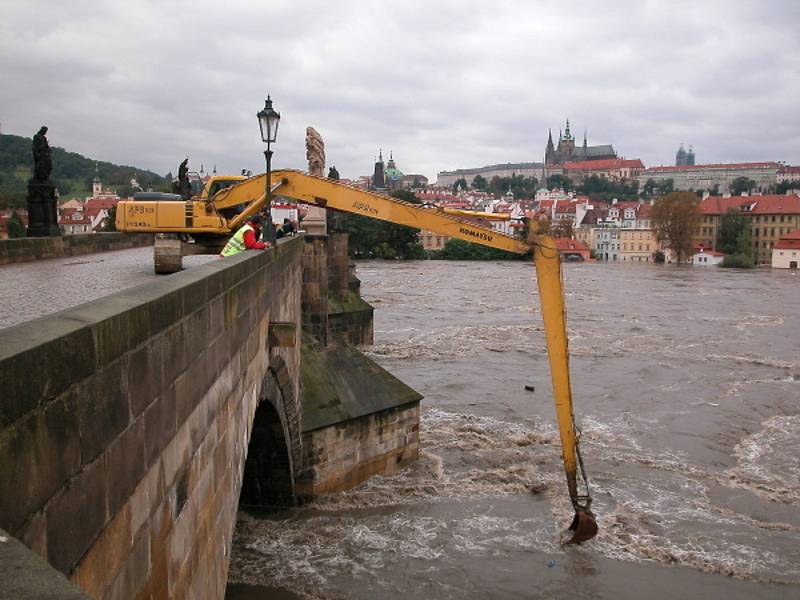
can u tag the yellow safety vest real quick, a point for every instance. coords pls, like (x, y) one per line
(236, 243)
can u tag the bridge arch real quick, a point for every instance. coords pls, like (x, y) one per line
(274, 451)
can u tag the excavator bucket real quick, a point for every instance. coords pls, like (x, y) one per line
(583, 526)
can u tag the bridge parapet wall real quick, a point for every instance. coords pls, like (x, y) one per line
(37, 248)
(126, 421)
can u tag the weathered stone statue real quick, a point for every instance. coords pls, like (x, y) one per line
(333, 174)
(315, 152)
(42, 161)
(314, 223)
(184, 187)
(42, 194)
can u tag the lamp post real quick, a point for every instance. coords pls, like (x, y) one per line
(268, 120)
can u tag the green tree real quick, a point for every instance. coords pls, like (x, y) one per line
(742, 258)
(732, 224)
(675, 218)
(744, 242)
(665, 187)
(370, 238)
(110, 222)
(649, 187)
(600, 188)
(455, 249)
(479, 183)
(459, 183)
(15, 226)
(519, 185)
(741, 184)
(406, 195)
(560, 182)
(784, 186)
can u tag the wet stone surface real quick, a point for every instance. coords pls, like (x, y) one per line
(35, 289)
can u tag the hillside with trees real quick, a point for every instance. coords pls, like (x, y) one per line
(72, 173)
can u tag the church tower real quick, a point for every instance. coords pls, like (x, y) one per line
(379, 175)
(97, 186)
(566, 146)
(550, 157)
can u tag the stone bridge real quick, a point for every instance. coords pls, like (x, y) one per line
(132, 427)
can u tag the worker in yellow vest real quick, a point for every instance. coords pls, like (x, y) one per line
(246, 238)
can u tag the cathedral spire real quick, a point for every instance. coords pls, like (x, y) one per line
(567, 134)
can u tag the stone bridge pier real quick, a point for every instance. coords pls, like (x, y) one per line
(129, 426)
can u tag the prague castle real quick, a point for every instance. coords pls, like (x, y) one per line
(566, 151)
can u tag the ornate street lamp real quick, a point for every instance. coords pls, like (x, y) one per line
(268, 120)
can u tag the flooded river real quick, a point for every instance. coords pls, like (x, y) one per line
(687, 389)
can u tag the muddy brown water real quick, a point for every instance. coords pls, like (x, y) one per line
(687, 389)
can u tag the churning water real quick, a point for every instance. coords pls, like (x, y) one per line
(687, 390)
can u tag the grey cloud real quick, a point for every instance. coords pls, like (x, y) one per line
(443, 85)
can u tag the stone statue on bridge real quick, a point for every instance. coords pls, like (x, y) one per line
(315, 222)
(315, 152)
(42, 194)
(42, 161)
(184, 187)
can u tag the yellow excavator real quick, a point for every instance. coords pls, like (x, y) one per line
(211, 218)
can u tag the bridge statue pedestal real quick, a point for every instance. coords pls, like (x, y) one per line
(42, 215)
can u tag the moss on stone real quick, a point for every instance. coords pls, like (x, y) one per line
(339, 383)
(351, 303)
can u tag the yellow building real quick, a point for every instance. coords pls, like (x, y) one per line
(638, 245)
(432, 241)
(585, 235)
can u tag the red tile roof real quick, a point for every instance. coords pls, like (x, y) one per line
(718, 205)
(768, 204)
(100, 203)
(774, 204)
(603, 164)
(564, 244)
(750, 165)
(790, 241)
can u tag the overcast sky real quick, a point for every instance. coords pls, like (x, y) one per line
(442, 85)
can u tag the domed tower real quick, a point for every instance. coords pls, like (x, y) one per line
(394, 175)
(690, 156)
(681, 157)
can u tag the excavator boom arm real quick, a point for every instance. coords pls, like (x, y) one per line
(331, 194)
(248, 198)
